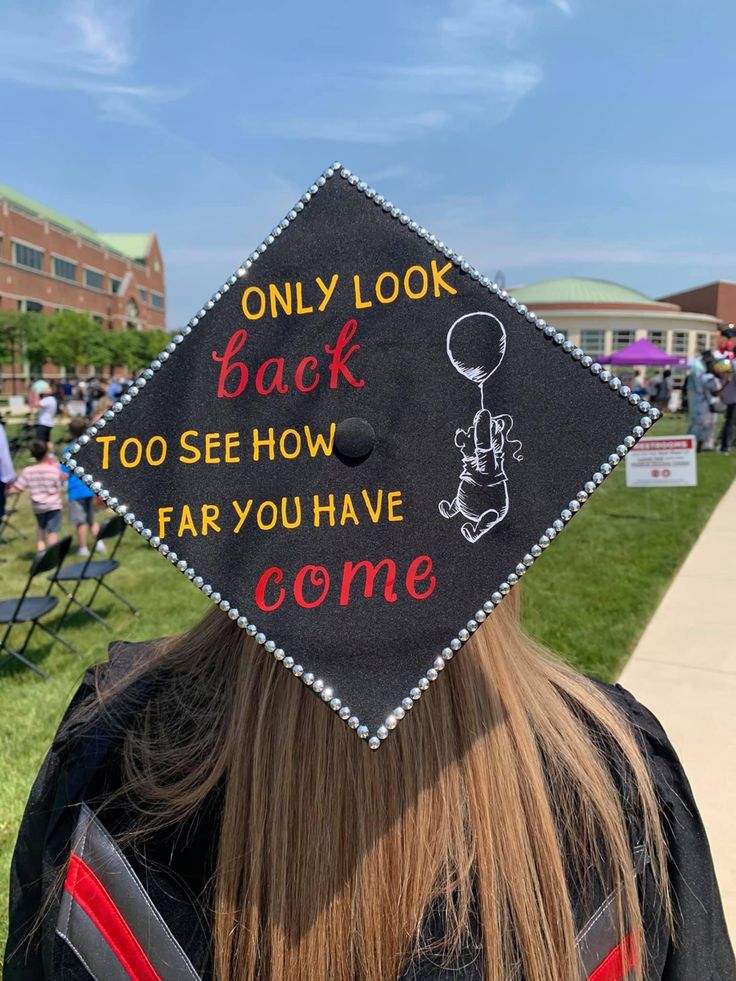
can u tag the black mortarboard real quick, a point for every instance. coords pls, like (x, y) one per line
(357, 447)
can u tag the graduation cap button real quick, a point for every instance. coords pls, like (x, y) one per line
(354, 440)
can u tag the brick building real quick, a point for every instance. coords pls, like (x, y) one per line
(715, 299)
(49, 263)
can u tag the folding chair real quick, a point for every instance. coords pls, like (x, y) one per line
(93, 570)
(6, 523)
(30, 609)
(20, 442)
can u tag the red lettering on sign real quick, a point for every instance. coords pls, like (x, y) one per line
(275, 574)
(306, 364)
(277, 382)
(234, 345)
(319, 577)
(338, 363)
(269, 376)
(314, 580)
(371, 571)
(419, 571)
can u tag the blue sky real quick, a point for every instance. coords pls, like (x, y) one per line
(539, 137)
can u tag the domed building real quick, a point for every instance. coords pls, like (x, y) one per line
(603, 317)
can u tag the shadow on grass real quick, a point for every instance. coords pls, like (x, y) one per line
(36, 654)
(80, 618)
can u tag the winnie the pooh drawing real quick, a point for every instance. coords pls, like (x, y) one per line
(476, 344)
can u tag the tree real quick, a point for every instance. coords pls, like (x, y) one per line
(75, 339)
(23, 337)
(154, 341)
(125, 350)
(9, 336)
(35, 331)
(133, 349)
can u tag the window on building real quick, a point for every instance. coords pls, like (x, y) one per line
(622, 338)
(593, 341)
(25, 255)
(95, 280)
(30, 306)
(658, 338)
(680, 341)
(702, 342)
(143, 294)
(98, 320)
(157, 301)
(115, 284)
(64, 268)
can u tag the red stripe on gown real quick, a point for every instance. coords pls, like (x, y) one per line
(619, 962)
(86, 889)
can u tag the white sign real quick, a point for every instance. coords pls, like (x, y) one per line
(662, 461)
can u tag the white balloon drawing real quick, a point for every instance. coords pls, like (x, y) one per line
(476, 345)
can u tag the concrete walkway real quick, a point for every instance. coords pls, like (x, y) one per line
(684, 670)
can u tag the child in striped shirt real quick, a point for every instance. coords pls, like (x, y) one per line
(44, 481)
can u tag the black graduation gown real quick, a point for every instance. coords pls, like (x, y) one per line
(173, 875)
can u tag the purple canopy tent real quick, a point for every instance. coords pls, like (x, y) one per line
(645, 353)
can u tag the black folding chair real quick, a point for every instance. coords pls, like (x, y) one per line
(7, 524)
(30, 609)
(93, 570)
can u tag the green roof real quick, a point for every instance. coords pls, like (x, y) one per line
(578, 290)
(131, 245)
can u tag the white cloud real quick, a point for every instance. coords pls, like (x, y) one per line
(511, 81)
(378, 130)
(87, 47)
(472, 65)
(470, 22)
(512, 247)
(103, 34)
(564, 6)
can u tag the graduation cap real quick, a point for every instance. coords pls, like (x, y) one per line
(357, 447)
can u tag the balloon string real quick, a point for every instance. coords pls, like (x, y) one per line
(511, 442)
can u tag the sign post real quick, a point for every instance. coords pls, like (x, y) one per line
(662, 461)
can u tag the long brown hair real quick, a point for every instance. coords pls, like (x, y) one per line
(493, 800)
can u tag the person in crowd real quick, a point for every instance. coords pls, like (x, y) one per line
(44, 481)
(114, 389)
(47, 409)
(7, 470)
(81, 500)
(640, 385)
(725, 341)
(660, 390)
(703, 387)
(727, 396)
(33, 396)
(94, 392)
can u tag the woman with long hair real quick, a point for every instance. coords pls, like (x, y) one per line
(202, 814)
(527, 806)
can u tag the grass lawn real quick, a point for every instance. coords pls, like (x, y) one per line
(589, 599)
